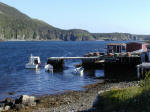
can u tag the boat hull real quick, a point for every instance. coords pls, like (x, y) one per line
(49, 68)
(79, 71)
(31, 66)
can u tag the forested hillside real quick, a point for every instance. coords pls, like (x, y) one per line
(15, 25)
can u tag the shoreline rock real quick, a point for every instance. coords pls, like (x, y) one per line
(75, 101)
(17, 104)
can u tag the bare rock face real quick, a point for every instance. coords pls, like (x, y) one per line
(19, 106)
(9, 102)
(6, 108)
(27, 100)
(1, 109)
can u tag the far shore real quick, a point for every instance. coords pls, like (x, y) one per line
(29, 40)
(13, 40)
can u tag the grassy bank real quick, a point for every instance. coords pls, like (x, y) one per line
(131, 99)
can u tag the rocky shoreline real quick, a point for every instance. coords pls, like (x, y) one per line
(70, 101)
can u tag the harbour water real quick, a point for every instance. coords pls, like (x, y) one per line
(14, 78)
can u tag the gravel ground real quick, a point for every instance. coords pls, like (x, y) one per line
(75, 101)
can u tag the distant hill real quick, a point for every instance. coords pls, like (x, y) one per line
(15, 25)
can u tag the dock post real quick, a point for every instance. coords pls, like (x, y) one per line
(56, 63)
(138, 71)
(142, 70)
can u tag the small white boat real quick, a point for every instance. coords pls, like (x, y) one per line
(49, 68)
(34, 62)
(79, 70)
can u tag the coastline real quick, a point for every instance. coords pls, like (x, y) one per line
(13, 40)
(74, 101)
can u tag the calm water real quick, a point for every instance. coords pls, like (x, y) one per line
(15, 78)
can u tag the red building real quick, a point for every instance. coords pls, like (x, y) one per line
(116, 47)
(134, 46)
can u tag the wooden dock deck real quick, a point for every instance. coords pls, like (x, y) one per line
(87, 62)
(63, 58)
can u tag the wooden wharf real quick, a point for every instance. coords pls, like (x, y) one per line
(87, 62)
(115, 67)
(122, 67)
(142, 69)
(82, 58)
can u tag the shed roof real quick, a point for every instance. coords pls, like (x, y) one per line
(121, 44)
(137, 42)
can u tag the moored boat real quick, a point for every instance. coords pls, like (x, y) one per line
(49, 68)
(79, 70)
(34, 62)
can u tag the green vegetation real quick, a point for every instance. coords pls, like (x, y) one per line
(18, 26)
(15, 25)
(132, 99)
(115, 36)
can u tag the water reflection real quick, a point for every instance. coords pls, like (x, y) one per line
(38, 71)
(99, 73)
(94, 72)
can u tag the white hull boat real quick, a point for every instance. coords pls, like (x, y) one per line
(34, 62)
(28, 65)
(49, 68)
(79, 71)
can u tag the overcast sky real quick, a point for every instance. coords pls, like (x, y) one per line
(131, 16)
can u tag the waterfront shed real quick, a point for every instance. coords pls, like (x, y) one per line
(116, 47)
(135, 46)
